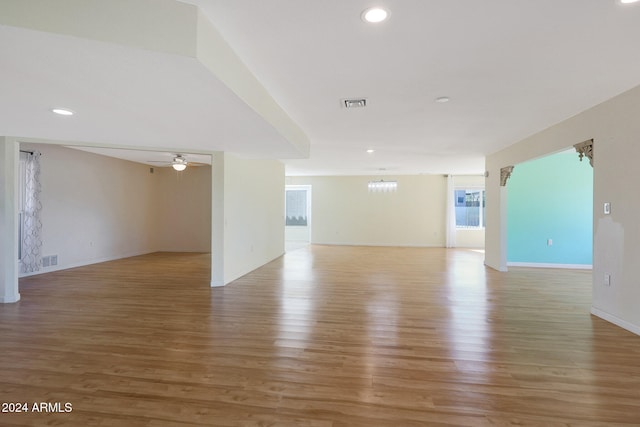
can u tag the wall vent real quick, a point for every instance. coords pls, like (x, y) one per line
(355, 103)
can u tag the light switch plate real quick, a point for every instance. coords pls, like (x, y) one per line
(607, 208)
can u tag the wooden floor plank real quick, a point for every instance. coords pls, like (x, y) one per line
(323, 337)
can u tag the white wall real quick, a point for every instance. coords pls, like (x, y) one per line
(615, 129)
(162, 25)
(97, 208)
(344, 212)
(183, 209)
(94, 208)
(248, 225)
(470, 238)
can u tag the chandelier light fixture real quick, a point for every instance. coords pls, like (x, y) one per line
(383, 186)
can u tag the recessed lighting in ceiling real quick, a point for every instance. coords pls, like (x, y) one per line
(374, 15)
(628, 1)
(442, 99)
(371, 151)
(63, 111)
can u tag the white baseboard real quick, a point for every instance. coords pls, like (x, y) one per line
(9, 300)
(83, 263)
(377, 245)
(550, 265)
(616, 321)
(495, 267)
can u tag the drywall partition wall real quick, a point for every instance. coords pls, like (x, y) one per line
(345, 212)
(8, 220)
(162, 25)
(550, 212)
(94, 208)
(616, 241)
(183, 209)
(248, 215)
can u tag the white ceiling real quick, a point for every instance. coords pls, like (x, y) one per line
(510, 67)
(148, 157)
(124, 97)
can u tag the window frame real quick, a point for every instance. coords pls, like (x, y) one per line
(481, 207)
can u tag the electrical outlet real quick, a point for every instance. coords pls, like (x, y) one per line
(607, 279)
(46, 261)
(549, 242)
(607, 208)
(54, 259)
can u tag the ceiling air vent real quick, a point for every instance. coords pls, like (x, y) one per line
(355, 103)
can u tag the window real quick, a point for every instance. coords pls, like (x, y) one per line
(470, 208)
(296, 208)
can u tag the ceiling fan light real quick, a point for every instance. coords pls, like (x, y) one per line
(179, 166)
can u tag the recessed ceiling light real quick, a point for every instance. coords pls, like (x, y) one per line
(628, 1)
(63, 111)
(370, 151)
(442, 99)
(374, 15)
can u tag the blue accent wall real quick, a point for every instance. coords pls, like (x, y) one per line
(551, 198)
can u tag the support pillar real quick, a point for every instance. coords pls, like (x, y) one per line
(217, 220)
(9, 163)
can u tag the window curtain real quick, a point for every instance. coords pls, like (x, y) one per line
(32, 226)
(450, 241)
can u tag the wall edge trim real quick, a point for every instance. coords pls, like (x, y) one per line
(85, 263)
(551, 265)
(615, 320)
(381, 245)
(9, 299)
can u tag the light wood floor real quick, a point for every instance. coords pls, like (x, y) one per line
(325, 336)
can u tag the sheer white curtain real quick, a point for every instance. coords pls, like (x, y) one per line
(32, 226)
(451, 214)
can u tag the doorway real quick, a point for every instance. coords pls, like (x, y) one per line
(297, 217)
(550, 213)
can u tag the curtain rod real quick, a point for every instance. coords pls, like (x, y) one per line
(25, 151)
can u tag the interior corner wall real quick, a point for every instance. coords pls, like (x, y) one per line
(253, 214)
(551, 198)
(615, 129)
(94, 208)
(183, 211)
(345, 212)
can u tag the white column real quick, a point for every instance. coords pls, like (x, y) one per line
(217, 220)
(503, 229)
(450, 232)
(9, 161)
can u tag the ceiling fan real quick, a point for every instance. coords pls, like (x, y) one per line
(179, 162)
